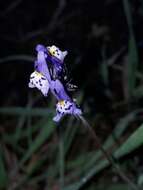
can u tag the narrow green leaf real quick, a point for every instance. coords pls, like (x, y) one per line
(127, 10)
(3, 173)
(95, 168)
(132, 64)
(111, 140)
(70, 135)
(140, 180)
(138, 92)
(132, 143)
(117, 186)
(46, 132)
(25, 111)
(104, 67)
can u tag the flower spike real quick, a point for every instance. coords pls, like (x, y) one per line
(43, 79)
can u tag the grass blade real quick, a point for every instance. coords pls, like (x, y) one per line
(132, 63)
(132, 143)
(123, 150)
(3, 173)
(16, 111)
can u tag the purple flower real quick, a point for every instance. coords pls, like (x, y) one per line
(42, 67)
(43, 80)
(64, 107)
(57, 53)
(55, 58)
(39, 81)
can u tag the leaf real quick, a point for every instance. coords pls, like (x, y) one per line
(46, 132)
(127, 11)
(132, 143)
(138, 92)
(95, 169)
(140, 180)
(3, 173)
(132, 63)
(127, 147)
(104, 67)
(25, 111)
(111, 140)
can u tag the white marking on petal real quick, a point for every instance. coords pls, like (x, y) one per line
(39, 81)
(67, 107)
(56, 52)
(57, 117)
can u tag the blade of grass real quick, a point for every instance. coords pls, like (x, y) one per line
(117, 132)
(18, 132)
(132, 143)
(3, 173)
(46, 132)
(19, 135)
(117, 186)
(104, 67)
(70, 135)
(25, 111)
(132, 64)
(111, 140)
(68, 139)
(95, 169)
(107, 155)
(35, 166)
(123, 150)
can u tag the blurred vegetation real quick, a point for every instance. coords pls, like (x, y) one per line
(105, 44)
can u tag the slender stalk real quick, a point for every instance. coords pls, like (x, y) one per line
(107, 155)
(61, 158)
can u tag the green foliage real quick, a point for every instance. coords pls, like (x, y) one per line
(3, 172)
(132, 65)
(132, 62)
(132, 143)
(89, 164)
(25, 111)
(104, 67)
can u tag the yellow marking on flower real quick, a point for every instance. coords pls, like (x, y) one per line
(52, 50)
(38, 74)
(61, 103)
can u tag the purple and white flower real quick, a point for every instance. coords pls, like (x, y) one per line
(43, 80)
(56, 52)
(64, 107)
(39, 81)
(55, 57)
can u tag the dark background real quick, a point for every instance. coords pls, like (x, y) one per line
(84, 28)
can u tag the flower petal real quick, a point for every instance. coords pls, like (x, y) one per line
(56, 86)
(39, 81)
(40, 47)
(41, 65)
(59, 91)
(58, 117)
(64, 107)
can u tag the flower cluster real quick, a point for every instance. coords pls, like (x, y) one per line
(49, 74)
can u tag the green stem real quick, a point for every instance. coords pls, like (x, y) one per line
(108, 156)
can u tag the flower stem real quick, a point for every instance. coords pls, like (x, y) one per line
(107, 155)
